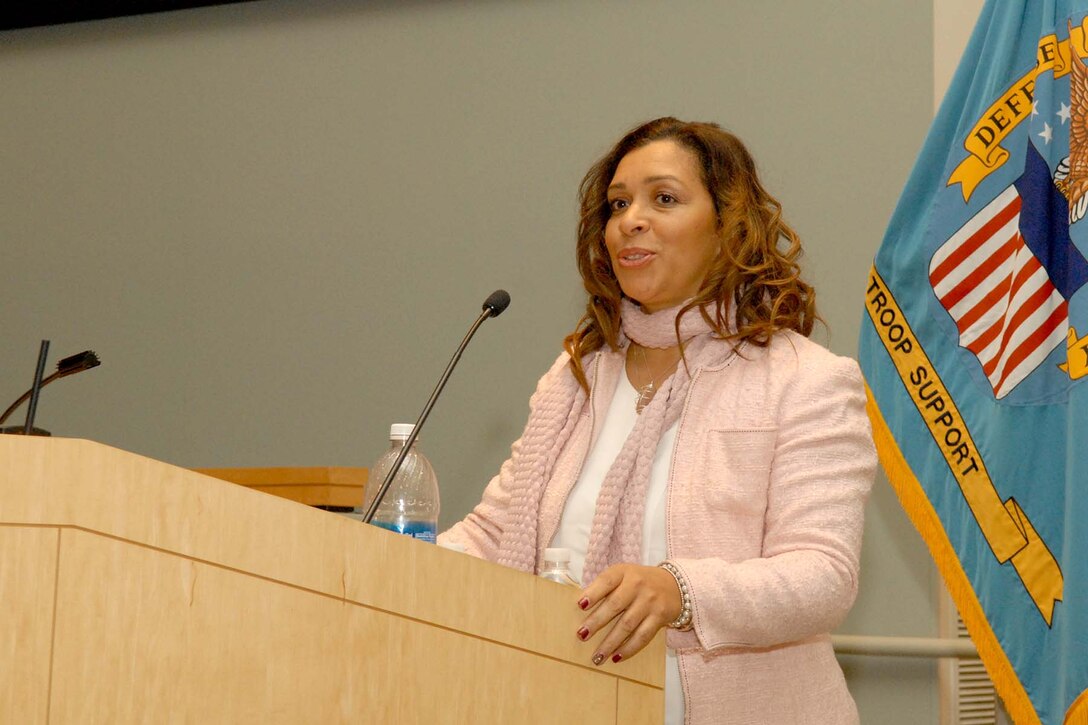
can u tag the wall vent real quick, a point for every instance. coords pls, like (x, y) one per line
(967, 695)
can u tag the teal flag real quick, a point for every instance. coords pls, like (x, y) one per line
(975, 351)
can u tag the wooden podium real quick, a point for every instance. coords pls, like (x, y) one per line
(136, 591)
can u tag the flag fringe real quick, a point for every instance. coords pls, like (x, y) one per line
(925, 519)
(1078, 711)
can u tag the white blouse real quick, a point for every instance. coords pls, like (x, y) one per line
(577, 519)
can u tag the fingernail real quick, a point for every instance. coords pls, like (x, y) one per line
(583, 633)
(583, 603)
(617, 657)
(598, 658)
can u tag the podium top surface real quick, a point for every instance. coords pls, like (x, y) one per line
(311, 485)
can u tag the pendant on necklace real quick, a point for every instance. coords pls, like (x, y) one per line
(645, 395)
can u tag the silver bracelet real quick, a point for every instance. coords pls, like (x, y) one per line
(683, 622)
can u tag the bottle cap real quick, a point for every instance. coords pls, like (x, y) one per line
(560, 556)
(401, 431)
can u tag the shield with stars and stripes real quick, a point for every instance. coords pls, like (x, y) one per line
(1006, 277)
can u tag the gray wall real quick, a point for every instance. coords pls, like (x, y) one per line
(274, 221)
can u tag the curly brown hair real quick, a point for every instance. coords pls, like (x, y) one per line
(756, 280)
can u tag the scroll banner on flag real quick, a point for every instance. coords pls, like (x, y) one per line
(975, 351)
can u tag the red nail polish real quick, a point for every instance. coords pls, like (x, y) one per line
(583, 603)
(617, 657)
(583, 633)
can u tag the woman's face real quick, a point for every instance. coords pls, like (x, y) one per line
(663, 233)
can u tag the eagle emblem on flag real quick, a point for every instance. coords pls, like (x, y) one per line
(1007, 275)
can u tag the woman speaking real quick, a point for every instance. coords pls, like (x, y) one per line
(705, 462)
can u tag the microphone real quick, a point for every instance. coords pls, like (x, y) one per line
(68, 366)
(495, 304)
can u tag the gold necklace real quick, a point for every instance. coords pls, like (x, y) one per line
(646, 392)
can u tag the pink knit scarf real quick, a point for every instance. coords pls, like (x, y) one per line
(616, 533)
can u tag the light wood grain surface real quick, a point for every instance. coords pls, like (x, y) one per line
(27, 577)
(184, 598)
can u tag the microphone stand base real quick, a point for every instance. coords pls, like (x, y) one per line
(18, 430)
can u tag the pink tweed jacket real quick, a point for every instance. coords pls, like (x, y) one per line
(771, 470)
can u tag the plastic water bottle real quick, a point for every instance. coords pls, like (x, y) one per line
(411, 504)
(557, 567)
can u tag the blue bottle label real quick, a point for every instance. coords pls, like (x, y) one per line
(422, 530)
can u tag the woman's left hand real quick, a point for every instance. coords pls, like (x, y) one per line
(641, 600)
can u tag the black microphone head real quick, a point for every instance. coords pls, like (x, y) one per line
(77, 363)
(497, 302)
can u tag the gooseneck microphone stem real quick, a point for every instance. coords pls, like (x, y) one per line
(493, 307)
(32, 408)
